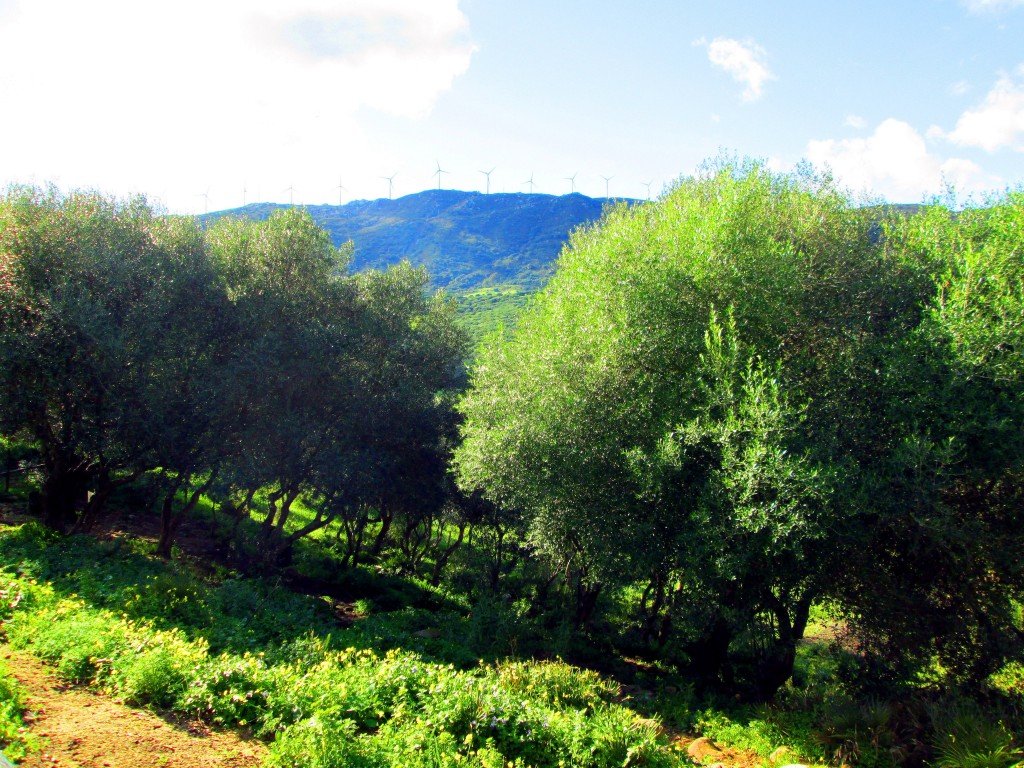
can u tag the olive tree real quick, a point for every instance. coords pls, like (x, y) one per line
(94, 295)
(337, 376)
(672, 409)
(933, 567)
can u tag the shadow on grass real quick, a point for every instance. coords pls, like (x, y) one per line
(238, 614)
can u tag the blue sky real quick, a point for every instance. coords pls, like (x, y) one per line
(201, 104)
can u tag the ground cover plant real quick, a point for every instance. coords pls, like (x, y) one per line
(15, 739)
(484, 310)
(158, 637)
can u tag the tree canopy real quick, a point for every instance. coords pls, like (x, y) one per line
(244, 357)
(716, 394)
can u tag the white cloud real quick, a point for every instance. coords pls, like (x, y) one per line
(854, 121)
(895, 162)
(991, 6)
(196, 92)
(743, 61)
(998, 122)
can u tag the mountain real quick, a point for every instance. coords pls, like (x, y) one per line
(467, 240)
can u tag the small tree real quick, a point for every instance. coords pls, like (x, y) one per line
(933, 566)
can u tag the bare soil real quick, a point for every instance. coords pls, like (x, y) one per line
(80, 728)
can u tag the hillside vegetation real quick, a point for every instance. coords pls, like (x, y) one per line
(748, 467)
(466, 240)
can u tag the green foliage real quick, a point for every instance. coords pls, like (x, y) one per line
(727, 392)
(157, 671)
(936, 571)
(15, 740)
(761, 735)
(323, 700)
(235, 360)
(656, 407)
(319, 743)
(94, 335)
(1009, 681)
(484, 310)
(336, 382)
(968, 738)
(228, 690)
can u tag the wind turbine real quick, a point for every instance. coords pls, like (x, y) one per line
(391, 182)
(244, 190)
(291, 195)
(488, 175)
(606, 180)
(572, 182)
(206, 200)
(530, 182)
(340, 189)
(648, 185)
(438, 173)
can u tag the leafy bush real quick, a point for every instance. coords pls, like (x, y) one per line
(81, 642)
(229, 690)
(316, 743)
(157, 670)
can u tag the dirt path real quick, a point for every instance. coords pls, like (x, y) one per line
(82, 729)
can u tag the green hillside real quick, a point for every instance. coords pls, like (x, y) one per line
(486, 309)
(466, 240)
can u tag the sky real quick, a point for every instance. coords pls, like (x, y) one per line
(205, 105)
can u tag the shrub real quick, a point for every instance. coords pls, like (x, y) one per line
(79, 641)
(157, 670)
(230, 690)
(966, 737)
(319, 743)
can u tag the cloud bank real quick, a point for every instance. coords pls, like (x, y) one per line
(895, 161)
(901, 164)
(197, 90)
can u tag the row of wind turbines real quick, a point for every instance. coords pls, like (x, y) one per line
(529, 182)
(438, 174)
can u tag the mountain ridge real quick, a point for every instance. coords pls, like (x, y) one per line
(466, 240)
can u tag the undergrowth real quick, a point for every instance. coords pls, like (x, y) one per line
(242, 654)
(427, 678)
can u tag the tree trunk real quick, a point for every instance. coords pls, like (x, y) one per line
(168, 523)
(387, 517)
(586, 602)
(170, 520)
(444, 555)
(649, 630)
(96, 501)
(776, 664)
(709, 656)
(63, 487)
